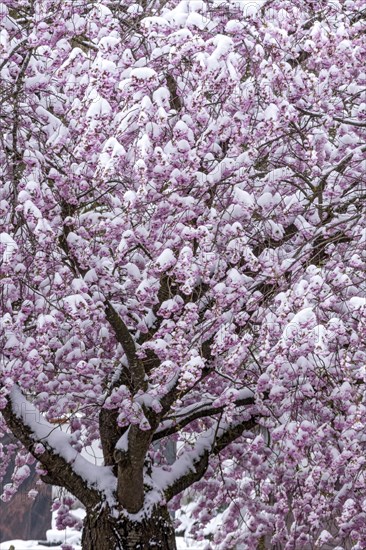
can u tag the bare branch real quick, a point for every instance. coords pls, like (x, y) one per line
(349, 121)
(124, 337)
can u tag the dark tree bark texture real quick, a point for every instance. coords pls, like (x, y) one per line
(104, 531)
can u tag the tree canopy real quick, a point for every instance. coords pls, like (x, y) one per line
(183, 257)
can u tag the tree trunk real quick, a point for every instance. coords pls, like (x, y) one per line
(105, 532)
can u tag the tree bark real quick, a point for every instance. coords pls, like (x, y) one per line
(104, 531)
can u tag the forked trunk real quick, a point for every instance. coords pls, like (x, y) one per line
(102, 531)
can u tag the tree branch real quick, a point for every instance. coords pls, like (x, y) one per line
(206, 409)
(193, 464)
(349, 121)
(65, 466)
(127, 342)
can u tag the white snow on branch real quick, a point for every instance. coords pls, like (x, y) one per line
(189, 459)
(54, 439)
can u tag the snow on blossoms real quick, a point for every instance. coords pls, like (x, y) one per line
(182, 263)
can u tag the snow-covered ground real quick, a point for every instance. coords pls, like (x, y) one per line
(72, 537)
(33, 545)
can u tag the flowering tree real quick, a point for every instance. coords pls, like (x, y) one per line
(182, 257)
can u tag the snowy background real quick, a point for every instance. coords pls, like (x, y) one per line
(72, 537)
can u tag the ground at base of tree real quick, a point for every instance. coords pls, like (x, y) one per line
(73, 537)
